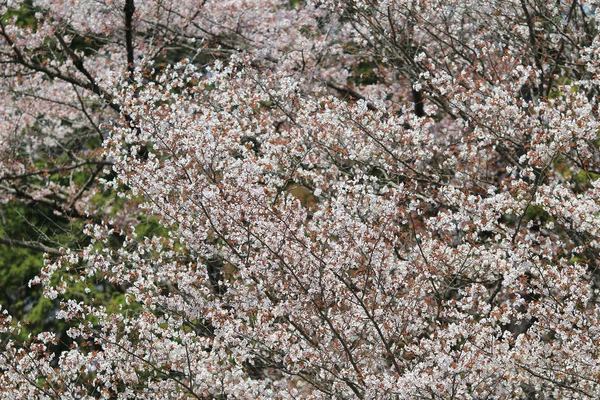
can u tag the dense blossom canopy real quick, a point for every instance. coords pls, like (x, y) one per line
(349, 199)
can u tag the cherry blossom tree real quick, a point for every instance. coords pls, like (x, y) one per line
(348, 199)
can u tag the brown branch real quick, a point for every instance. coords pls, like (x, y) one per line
(129, 10)
(55, 170)
(85, 186)
(346, 91)
(87, 115)
(77, 61)
(19, 58)
(418, 100)
(533, 43)
(554, 381)
(30, 245)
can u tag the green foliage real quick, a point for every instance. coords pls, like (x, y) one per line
(580, 180)
(535, 213)
(22, 17)
(17, 268)
(562, 83)
(151, 227)
(294, 3)
(583, 179)
(364, 74)
(19, 265)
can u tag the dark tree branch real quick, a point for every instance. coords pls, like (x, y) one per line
(85, 187)
(418, 99)
(19, 58)
(129, 10)
(30, 245)
(101, 163)
(346, 91)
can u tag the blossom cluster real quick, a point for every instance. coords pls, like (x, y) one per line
(352, 199)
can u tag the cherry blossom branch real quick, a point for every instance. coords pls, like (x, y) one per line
(99, 163)
(152, 366)
(554, 381)
(350, 92)
(19, 57)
